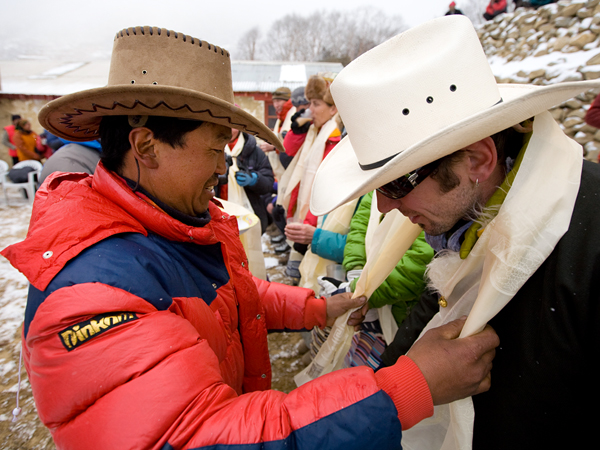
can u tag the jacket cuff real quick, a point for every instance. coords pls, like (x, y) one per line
(315, 241)
(407, 387)
(315, 313)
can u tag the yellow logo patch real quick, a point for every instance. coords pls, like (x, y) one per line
(72, 337)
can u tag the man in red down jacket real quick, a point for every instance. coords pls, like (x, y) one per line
(144, 327)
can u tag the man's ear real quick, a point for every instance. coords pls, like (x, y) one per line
(483, 159)
(142, 144)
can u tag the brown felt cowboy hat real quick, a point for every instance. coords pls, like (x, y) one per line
(416, 98)
(156, 72)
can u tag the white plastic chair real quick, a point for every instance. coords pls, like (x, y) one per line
(30, 185)
(3, 169)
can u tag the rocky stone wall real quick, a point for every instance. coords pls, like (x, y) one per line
(550, 35)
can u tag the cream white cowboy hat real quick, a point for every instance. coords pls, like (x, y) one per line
(416, 98)
(156, 72)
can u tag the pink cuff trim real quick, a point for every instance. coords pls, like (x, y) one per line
(407, 387)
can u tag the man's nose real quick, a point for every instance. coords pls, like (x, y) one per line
(221, 165)
(386, 204)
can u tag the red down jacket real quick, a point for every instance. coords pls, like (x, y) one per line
(143, 332)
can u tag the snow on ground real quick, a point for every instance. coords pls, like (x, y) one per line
(27, 432)
(13, 284)
(563, 65)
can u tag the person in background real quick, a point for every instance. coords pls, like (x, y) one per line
(592, 116)
(73, 157)
(494, 8)
(285, 110)
(8, 138)
(144, 327)
(300, 103)
(54, 142)
(250, 169)
(453, 10)
(25, 140)
(277, 213)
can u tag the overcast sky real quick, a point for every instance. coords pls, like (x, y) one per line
(30, 27)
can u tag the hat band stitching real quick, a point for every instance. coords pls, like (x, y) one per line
(176, 35)
(67, 119)
(382, 162)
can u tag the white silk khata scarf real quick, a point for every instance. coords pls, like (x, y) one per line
(533, 217)
(390, 240)
(278, 129)
(302, 169)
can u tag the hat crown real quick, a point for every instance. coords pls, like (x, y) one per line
(412, 86)
(160, 57)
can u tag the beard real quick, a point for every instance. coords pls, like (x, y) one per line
(463, 204)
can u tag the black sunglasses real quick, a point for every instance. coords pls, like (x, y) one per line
(404, 185)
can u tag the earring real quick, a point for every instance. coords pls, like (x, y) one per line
(476, 183)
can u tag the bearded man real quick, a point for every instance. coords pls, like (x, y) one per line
(510, 206)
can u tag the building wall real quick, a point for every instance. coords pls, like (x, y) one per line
(256, 103)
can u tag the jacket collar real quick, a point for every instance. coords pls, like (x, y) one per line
(73, 211)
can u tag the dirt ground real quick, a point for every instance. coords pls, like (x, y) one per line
(28, 432)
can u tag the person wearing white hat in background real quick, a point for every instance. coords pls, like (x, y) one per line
(506, 199)
(144, 327)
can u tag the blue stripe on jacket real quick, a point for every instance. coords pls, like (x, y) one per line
(371, 423)
(151, 267)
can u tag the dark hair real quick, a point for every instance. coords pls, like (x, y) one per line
(114, 136)
(508, 144)
(21, 124)
(15, 117)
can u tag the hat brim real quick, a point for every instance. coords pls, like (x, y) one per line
(340, 177)
(77, 116)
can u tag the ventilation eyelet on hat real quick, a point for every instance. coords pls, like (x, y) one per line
(405, 111)
(430, 99)
(453, 88)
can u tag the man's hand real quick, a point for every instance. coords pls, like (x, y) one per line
(300, 233)
(455, 368)
(266, 147)
(340, 303)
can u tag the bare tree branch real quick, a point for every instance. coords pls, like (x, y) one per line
(248, 44)
(328, 36)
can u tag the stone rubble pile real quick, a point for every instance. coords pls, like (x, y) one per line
(564, 27)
